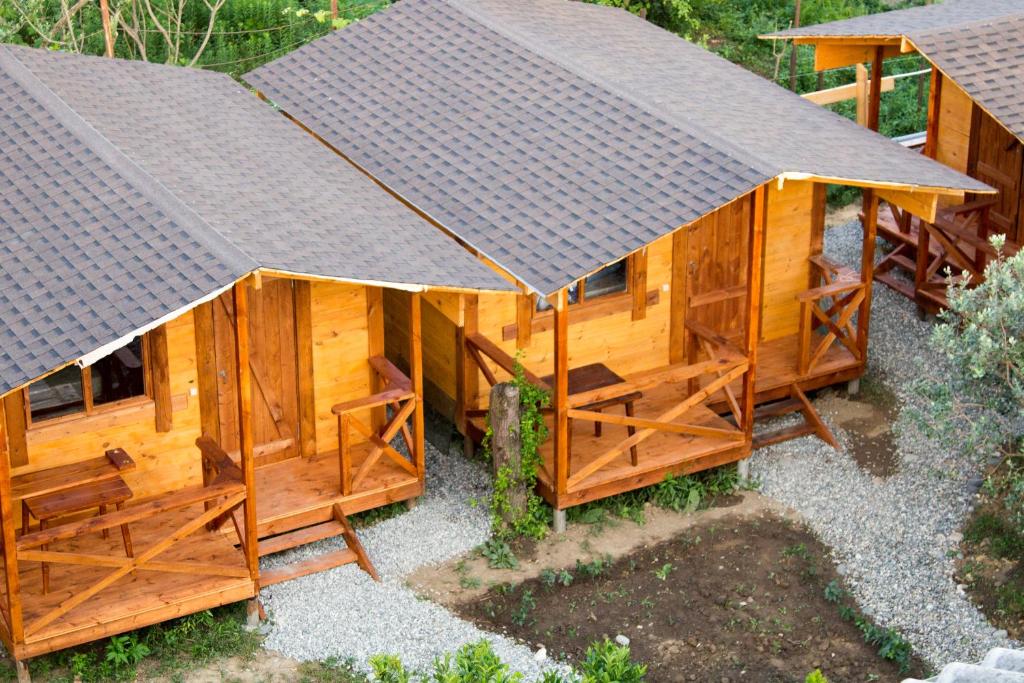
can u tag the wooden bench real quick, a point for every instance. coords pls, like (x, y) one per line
(56, 492)
(598, 376)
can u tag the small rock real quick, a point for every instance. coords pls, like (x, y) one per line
(541, 654)
(622, 640)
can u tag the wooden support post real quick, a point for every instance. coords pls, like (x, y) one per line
(303, 296)
(160, 364)
(638, 283)
(12, 582)
(467, 374)
(862, 95)
(793, 48)
(17, 427)
(375, 347)
(561, 391)
(677, 336)
(755, 265)
(245, 435)
(507, 446)
(931, 139)
(416, 375)
(875, 98)
(525, 306)
(108, 36)
(867, 271)
(206, 371)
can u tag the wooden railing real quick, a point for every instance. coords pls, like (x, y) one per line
(830, 306)
(221, 496)
(724, 365)
(398, 395)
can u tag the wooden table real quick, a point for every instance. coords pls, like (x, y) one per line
(598, 376)
(60, 491)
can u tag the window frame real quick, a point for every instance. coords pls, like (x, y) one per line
(89, 409)
(603, 299)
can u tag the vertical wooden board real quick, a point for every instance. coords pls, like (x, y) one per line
(396, 327)
(304, 367)
(789, 238)
(340, 343)
(953, 130)
(678, 299)
(224, 335)
(1000, 163)
(716, 261)
(206, 370)
(166, 461)
(160, 371)
(375, 347)
(17, 444)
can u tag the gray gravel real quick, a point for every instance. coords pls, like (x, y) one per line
(343, 613)
(894, 537)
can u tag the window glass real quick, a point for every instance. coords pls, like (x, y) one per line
(574, 298)
(609, 280)
(119, 375)
(56, 395)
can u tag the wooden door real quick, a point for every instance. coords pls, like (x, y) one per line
(1000, 163)
(716, 269)
(272, 359)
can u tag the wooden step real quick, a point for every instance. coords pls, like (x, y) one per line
(777, 408)
(313, 565)
(900, 286)
(293, 539)
(780, 435)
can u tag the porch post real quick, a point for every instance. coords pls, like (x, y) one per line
(875, 98)
(867, 270)
(467, 376)
(245, 437)
(755, 266)
(375, 347)
(561, 391)
(11, 577)
(416, 375)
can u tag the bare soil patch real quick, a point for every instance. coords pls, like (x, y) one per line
(733, 597)
(868, 419)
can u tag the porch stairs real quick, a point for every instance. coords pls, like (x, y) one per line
(339, 525)
(797, 402)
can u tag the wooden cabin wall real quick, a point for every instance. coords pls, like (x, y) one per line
(953, 138)
(341, 341)
(166, 460)
(795, 227)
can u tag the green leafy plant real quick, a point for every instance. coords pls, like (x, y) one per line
(473, 663)
(891, 645)
(126, 650)
(499, 555)
(389, 669)
(595, 567)
(663, 572)
(608, 662)
(816, 677)
(536, 520)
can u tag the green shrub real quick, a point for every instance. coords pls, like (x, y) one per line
(389, 669)
(473, 663)
(608, 662)
(816, 677)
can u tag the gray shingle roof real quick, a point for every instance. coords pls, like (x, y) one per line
(977, 43)
(556, 137)
(129, 191)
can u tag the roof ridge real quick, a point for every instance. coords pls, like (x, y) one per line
(732, 150)
(143, 182)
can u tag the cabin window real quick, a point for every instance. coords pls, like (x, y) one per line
(612, 279)
(74, 390)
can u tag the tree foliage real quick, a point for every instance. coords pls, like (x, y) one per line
(979, 402)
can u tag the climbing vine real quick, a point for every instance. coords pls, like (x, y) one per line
(535, 520)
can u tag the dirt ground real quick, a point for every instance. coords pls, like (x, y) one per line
(730, 594)
(868, 419)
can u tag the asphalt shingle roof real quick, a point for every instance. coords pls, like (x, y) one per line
(556, 137)
(130, 191)
(977, 43)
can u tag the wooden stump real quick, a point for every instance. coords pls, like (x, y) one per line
(507, 445)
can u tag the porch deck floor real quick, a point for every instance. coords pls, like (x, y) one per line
(135, 600)
(660, 454)
(300, 491)
(777, 365)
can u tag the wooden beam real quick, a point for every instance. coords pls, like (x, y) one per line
(17, 428)
(468, 377)
(931, 140)
(875, 89)
(845, 92)
(160, 364)
(416, 375)
(755, 286)
(867, 268)
(924, 205)
(678, 305)
(560, 304)
(375, 346)
(638, 283)
(206, 371)
(835, 55)
(303, 295)
(245, 433)
(525, 306)
(11, 578)
(862, 95)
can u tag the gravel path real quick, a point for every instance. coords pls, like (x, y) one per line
(893, 537)
(343, 613)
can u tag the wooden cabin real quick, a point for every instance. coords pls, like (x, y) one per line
(192, 368)
(975, 126)
(660, 210)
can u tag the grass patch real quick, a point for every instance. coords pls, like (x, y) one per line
(368, 518)
(331, 670)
